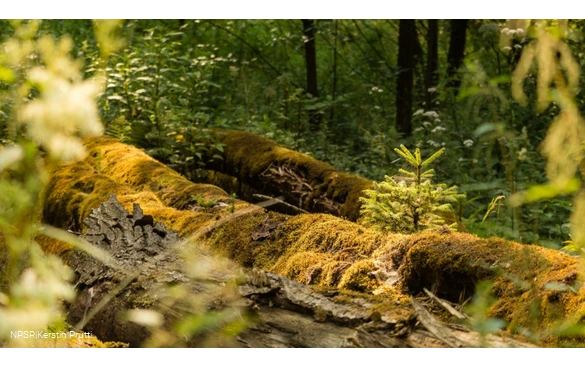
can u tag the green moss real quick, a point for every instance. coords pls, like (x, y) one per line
(360, 277)
(322, 249)
(306, 267)
(248, 155)
(316, 249)
(130, 166)
(452, 265)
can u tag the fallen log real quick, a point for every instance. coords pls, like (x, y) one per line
(305, 182)
(281, 312)
(318, 249)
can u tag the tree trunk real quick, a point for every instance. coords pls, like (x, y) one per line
(456, 51)
(431, 75)
(306, 183)
(336, 255)
(334, 72)
(146, 270)
(309, 32)
(404, 83)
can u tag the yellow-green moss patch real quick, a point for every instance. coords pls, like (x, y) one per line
(247, 156)
(360, 276)
(310, 248)
(129, 165)
(526, 278)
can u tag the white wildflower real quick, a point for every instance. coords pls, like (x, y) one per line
(505, 30)
(438, 129)
(432, 114)
(517, 46)
(418, 129)
(468, 143)
(437, 120)
(522, 154)
(10, 155)
(507, 48)
(427, 123)
(432, 90)
(433, 143)
(418, 113)
(519, 31)
(63, 110)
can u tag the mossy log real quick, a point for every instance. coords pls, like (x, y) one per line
(286, 313)
(305, 182)
(281, 312)
(323, 250)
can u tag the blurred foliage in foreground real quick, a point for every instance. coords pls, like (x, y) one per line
(513, 130)
(48, 103)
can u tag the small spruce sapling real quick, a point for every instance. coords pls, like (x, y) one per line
(409, 202)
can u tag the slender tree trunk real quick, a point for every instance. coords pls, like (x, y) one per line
(431, 76)
(404, 83)
(419, 69)
(456, 50)
(311, 62)
(334, 86)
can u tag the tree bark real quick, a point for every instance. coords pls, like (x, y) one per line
(456, 51)
(307, 183)
(405, 80)
(431, 75)
(309, 32)
(380, 270)
(334, 72)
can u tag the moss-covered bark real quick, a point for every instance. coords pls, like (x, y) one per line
(305, 182)
(323, 250)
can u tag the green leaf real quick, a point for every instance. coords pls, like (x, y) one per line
(466, 92)
(501, 79)
(557, 286)
(545, 191)
(484, 128)
(6, 74)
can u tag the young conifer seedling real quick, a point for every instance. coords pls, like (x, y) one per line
(409, 202)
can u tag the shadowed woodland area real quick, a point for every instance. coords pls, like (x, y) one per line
(292, 183)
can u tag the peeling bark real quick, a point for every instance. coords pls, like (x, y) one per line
(342, 257)
(305, 182)
(287, 313)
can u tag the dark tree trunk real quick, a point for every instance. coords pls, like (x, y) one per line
(311, 62)
(431, 76)
(456, 50)
(334, 86)
(404, 83)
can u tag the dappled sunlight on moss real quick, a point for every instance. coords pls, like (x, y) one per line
(249, 155)
(321, 249)
(129, 165)
(360, 277)
(532, 284)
